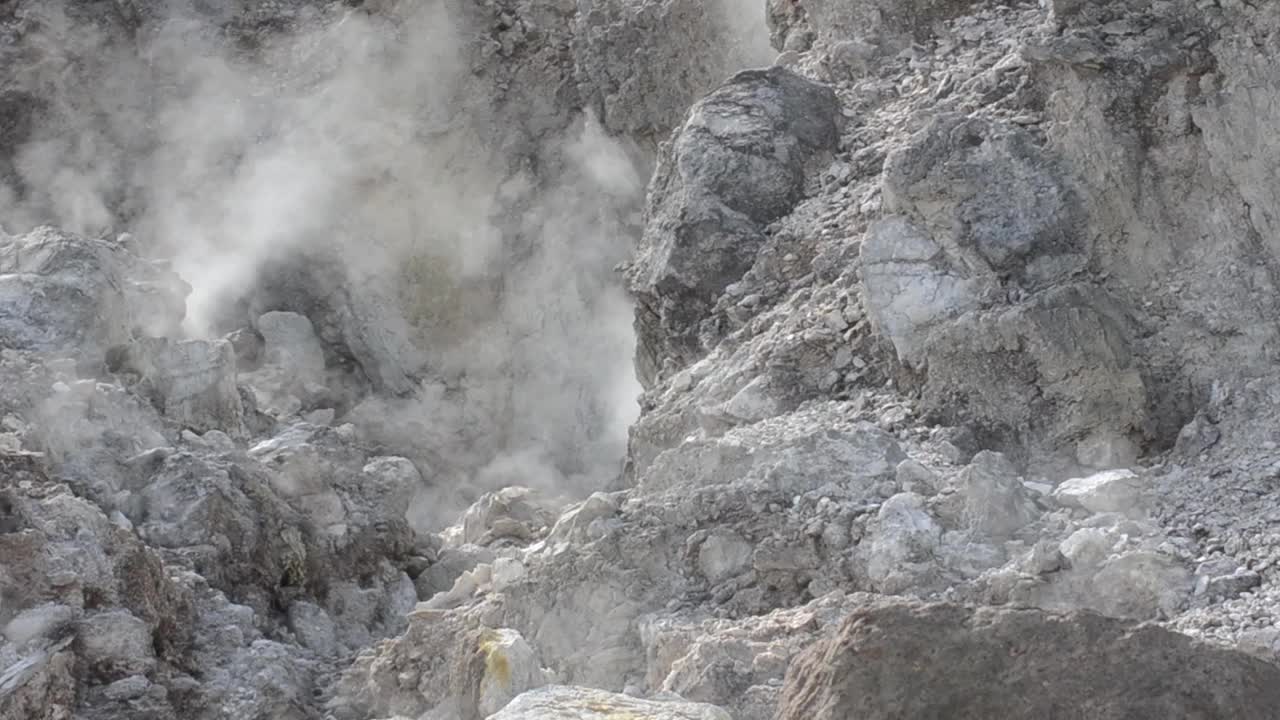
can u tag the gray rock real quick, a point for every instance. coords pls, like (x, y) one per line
(1048, 370)
(61, 292)
(1229, 586)
(737, 163)
(910, 285)
(988, 195)
(722, 555)
(290, 342)
(197, 381)
(128, 688)
(1101, 668)
(902, 543)
(116, 644)
(995, 503)
(314, 628)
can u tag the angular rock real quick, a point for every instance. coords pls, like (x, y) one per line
(1052, 369)
(737, 163)
(995, 503)
(910, 285)
(990, 196)
(197, 381)
(1112, 491)
(116, 644)
(314, 628)
(951, 661)
(901, 545)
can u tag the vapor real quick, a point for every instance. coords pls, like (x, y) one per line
(372, 141)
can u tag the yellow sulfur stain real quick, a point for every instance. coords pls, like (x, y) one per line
(496, 666)
(611, 712)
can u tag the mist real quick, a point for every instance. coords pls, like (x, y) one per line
(480, 219)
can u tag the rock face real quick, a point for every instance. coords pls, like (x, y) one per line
(905, 660)
(736, 164)
(969, 304)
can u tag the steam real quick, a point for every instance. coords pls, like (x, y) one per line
(376, 142)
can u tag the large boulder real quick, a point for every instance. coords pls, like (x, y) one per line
(972, 277)
(737, 164)
(60, 292)
(904, 659)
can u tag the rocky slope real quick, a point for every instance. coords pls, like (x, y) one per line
(953, 332)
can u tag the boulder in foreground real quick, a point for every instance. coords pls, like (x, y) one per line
(910, 660)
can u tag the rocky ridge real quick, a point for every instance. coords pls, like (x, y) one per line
(954, 327)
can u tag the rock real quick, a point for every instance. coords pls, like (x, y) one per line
(510, 668)
(575, 703)
(1141, 585)
(1106, 452)
(40, 686)
(1229, 586)
(290, 342)
(723, 555)
(1070, 343)
(128, 688)
(994, 501)
(197, 381)
(40, 621)
(115, 644)
(914, 477)
(910, 288)
(990, 194)
(387, 485)
(1111, 491)
(737, 163)
(452, 563)
(1087, 547)
(929, 659)
(791, 457)
(60, 292)
(515, 512)
(314, 628)
(902, 542)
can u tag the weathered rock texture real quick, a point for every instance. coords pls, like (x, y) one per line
(969, 302)
(903, 660)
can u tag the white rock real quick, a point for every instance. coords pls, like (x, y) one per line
(1110, 491)
(575, 703)
(1087, 547)
(36, 621)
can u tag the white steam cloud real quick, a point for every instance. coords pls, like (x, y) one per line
(476, 209)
